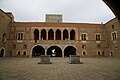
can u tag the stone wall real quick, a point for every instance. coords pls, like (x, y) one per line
(4, 32)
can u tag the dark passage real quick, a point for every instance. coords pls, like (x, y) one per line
(38, 51)
(54, 51)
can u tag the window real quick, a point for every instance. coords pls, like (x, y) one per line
(18, 53)
(99, 54)
(84, 53)
(4, 38)
(83, 36)
(83, 46)
(113, 27)
(19, 36)
(114, 35)
(24, 53)
(98, 37)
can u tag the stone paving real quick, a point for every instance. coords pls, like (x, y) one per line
(60, 69)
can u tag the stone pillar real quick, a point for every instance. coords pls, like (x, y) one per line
(61, 35)
(68, 35)
(45, 51)
(54, 35)
(62, 53)
(47, 35)
(40, 35)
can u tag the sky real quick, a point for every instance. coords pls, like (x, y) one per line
(76, 11)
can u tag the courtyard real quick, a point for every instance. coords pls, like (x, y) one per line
(28, 69)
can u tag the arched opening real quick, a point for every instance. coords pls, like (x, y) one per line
(69, 50)
(38, 51)
(2, 51)
(18, 53)
(50, 34)
(43, 34)
(54, 51)
(4, 37)
(24, 53)
(99, 53)
(65, 35)
(58, 34)
(111, 54)
(72, 35)
(84, 53)
(36, 34)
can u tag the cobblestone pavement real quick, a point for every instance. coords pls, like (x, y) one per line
(60, 69)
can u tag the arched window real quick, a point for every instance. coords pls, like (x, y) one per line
(84, 53)
(72, 35)
(114, 35)
(36, 34)
(84, 36)
(50, 34)
(65, 35)
(4, 38)
(58, 34)
(99, 53)
(43, 34)
(98, 37)
(24, 53)
(18, 53)
(19, 36)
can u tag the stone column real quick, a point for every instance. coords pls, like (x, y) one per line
(54, 36)
(62, 35)
(45, 50)
(68, 35)
(46, 34)
(62, 53)
(40, 35)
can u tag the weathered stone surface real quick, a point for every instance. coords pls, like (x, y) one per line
(74, 59)
(44, 59)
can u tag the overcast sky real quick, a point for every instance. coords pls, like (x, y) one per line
(82, 11)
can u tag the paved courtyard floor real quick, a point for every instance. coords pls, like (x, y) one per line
(29, 69)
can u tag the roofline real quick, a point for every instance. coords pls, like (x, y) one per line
(6, 13)
(56, 23)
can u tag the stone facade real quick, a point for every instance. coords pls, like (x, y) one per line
(59, 39)
(113, 37)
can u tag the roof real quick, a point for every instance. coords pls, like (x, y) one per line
(52, 24)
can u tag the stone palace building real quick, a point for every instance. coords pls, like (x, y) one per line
(57, 38)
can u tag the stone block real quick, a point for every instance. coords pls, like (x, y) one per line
(45, 59)
(74, 59)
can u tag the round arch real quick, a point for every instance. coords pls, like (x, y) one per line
(65, 34)
(36, 34)
(72, 35)
(38, 51)
(43, 34)
(2, 52)
(54, 51)
(50, 34)
(58, 34)
(69, 50)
